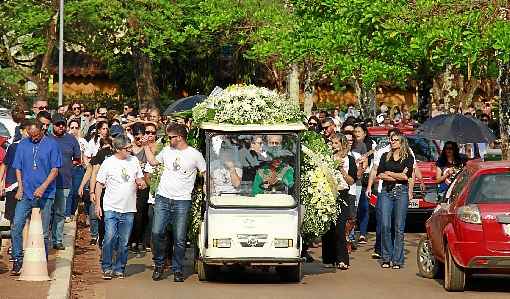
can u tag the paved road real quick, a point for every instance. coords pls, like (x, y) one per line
(365, 279)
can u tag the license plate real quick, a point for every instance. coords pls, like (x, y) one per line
(506, 228)
(414, 204)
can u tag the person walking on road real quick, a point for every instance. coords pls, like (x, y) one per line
(395, 170)
(71, 155)
(121, 176)
(36, 161)
(173, 197)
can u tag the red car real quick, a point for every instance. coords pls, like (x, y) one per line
(469, 231)
(426, 152)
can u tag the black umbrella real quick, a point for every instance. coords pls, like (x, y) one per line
(184, 104)
(456, 127)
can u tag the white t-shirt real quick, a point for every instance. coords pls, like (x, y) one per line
(179, 172)
(92, 148)
(356, 156)
(119, 176)
(221, 179)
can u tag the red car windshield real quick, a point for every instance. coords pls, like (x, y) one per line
(491, 188)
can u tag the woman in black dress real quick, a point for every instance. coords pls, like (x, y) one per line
(334, 242)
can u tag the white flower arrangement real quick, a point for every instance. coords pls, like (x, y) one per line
(319, 187)
(247, 104)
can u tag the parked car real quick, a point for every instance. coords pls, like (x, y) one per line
(426, 152)
(469, 231)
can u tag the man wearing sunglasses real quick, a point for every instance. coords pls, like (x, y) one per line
(39, 105)
(71, 154)
(173, 197)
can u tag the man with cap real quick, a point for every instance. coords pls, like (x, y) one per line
(70, 149)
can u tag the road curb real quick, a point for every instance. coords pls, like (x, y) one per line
(60, 285)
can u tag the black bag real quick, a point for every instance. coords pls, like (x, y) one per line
(364, 179)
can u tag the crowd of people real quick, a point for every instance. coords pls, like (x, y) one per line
(392, 167)
(106, 159)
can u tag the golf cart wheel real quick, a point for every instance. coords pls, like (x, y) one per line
(428, 265)
(455, 276)
(291, 273)
(205, 272)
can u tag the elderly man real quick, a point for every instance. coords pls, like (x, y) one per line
(276, 175)
(39, 106)
(120, 175)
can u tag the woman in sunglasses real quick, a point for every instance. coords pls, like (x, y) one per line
(395, 170)
(448, 165)
(77, 172)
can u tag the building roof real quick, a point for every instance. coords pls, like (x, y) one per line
(78, 64)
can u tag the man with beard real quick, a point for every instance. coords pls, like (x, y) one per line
(71, 154)
(36, 161)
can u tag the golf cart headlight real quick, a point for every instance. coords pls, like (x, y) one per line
(283, 243)
(221, 243)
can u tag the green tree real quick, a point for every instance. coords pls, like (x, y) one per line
(28, 38)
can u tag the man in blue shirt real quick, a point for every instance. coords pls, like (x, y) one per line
(36, 161)
(70, 150)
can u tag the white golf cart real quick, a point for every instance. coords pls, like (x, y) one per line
(253, 213)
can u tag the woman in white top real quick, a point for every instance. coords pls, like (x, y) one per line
(102, 131)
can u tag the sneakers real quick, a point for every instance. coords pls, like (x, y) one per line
(158, 273)
(16, 268)
(362, 240)
(178, 277)
(119, 275)
(376, 256)
(93, 242)
(107, 275)
(69, 219)
(59, 247)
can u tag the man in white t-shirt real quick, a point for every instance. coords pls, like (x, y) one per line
(120, 175)
(173, 197)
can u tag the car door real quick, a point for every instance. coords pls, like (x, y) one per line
(443, 213)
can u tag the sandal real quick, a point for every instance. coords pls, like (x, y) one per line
(385, 265)
(396, 267)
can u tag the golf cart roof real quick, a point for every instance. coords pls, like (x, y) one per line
(253, 127)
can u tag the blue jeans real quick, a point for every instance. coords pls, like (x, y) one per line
(72, 198)
(117, 230)
(58, 219)
(173, 212)
(363, 212)
(394, 210)
(23, 210)
(94, 221)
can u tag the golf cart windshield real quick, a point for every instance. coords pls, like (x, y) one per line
(254, 169)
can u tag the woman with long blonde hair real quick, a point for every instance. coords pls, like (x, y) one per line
(334, 243)
(395, 170)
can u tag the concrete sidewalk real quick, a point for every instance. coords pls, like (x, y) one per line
(59, 267)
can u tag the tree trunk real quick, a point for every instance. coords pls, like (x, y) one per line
(366, 100)
(504, 108)
(309, 92)
(293, 83)
(146, 90)
(424, 97)
(42, 77)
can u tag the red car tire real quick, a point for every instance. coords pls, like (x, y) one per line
(454, 276)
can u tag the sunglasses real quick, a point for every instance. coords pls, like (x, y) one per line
(172, 137)
(312, 124)
(60, 125)
(73, 128)
(76, 108)
(150, 132)
(394, 140)
(42, 108)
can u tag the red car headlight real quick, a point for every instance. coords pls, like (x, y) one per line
(469, 214)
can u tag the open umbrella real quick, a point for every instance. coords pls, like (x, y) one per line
(456, 127)
(184, 104)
